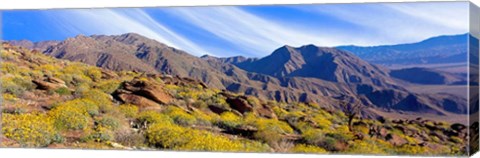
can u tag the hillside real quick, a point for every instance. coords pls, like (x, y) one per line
(429, 76)
(56, 103)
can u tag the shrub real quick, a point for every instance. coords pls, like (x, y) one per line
(108, 122)
(180, 117)
(128, 137)
(312, 135)
(322, 122)
(63, 91)
(367, 147)
(16, 85)
(101, 99)
(74, 115)
(101, 134)
(170, 136)
(228, 120)
(130, 111)
(151, 117)
(30, 130)
(108, 86)
(302, 148)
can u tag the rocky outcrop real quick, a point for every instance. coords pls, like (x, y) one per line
(49, 83)
(143, 93)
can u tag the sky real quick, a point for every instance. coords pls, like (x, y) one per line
(252, 31)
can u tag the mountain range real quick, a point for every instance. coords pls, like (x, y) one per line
(435, 50)
(324, 75)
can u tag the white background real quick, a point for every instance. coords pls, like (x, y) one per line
(47, 4)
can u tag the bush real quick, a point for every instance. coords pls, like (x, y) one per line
(63, 91)
(74, 115)
(101, 134)
(180, 117)
(302, 148)
(312, 135)
(101, 99)
(170, 136)
(108, 122)
(108, 86)
(30, 130)
(130, 111)
(129, 138)
(228, 120)
(151, 117)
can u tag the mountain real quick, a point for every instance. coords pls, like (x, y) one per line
(229, 60)
(324, 63)
(441, 49)
(39, 46)
(304, 74)
(429, 76)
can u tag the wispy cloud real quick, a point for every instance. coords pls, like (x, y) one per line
(119, 21)
(391, 23)
(252, 33)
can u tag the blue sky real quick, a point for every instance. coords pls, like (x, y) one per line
(252, 31)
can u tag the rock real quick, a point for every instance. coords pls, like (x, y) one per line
(246, 131)
(458, 127)
(395, 139)
(148, 89)
(55, 80)
(265, 111)
(107, 74)
(240, 104)
(217, 109)
(143, 93)
(138, 100)
(44, 85)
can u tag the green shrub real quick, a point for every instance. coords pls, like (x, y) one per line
(109, 122)
(63, 91)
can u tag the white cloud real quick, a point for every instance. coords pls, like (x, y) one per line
(119, 21)
(392, 23)
(254, 34)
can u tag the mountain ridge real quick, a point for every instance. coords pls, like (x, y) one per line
(295, 79)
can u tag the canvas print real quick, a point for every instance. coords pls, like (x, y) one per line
(366, 79)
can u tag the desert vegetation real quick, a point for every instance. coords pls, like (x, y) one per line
(51, 103)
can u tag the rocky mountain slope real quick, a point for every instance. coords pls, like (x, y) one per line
(306, 74)
(429, 76)
(441, 49)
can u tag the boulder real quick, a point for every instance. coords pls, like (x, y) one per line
(458, 127)
(240, 104)
(265, 111)
(143, 93)
(45, 85)
(395, 139)
(138, 100)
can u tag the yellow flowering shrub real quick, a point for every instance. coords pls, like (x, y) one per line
(151, 117)
(75, 114)
(30, 130)
(99, 98)
(171, 136)
(228, 120)
(180, 116)
(302, 148)
(130, 111)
